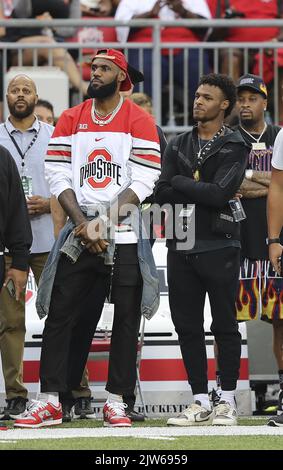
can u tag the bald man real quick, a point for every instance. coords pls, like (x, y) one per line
(26, 139)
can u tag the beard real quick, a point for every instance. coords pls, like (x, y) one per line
(206, 117)
(103, 91)
(23, 113)
(247, 123)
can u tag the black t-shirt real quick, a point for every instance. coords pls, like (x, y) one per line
(254, 227)
(56, 8)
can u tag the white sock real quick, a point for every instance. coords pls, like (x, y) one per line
(112, 398)
(228, 396)
(49, 398)
(204, 399)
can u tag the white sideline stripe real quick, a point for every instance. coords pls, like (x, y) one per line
(141, 433)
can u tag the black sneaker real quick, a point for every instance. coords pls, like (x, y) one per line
(280, 403)
(135, 416)
(83, 409)
(275, 421)
(15, 408)
(67, 411)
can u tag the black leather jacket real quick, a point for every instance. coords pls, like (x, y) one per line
(221, 174)
(15, 229)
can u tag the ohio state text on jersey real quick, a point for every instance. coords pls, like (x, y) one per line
(99, 162)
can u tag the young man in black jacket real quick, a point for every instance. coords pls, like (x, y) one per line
(205, 168)
(15, 231)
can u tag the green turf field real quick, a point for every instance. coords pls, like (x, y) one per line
(178, 442)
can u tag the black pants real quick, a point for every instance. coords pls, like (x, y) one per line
(126, 295)
(77, 300)
(190, 277)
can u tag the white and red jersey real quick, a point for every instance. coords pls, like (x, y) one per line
(99, 162)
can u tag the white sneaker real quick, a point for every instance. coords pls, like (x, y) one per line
(194, 415)
(225, 414)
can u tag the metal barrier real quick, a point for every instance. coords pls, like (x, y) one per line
(177, 118)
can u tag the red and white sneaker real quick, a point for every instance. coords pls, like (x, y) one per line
(115, 416)
(40, 414)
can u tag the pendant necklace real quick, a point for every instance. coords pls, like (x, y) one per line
(203, 150)
(256, 145)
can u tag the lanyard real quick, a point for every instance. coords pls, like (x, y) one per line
(111, 276)
(22, 155)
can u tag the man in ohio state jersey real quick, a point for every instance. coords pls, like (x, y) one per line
(104, 151)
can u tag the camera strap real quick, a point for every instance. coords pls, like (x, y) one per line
(218, 11)
(109, 297)
(218, 7)
(227, 4)
(279, 8)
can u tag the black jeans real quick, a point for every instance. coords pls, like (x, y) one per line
(77, 301)
(126, 295)
(190, 277)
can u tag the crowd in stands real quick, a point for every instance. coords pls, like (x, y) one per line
(175, 62)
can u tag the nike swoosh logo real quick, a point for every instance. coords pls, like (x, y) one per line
(97, 140)
(203, 416)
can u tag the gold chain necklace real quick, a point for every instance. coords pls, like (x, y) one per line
(103, 122)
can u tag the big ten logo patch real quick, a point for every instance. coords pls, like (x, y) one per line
(100, 171)
(31, 287)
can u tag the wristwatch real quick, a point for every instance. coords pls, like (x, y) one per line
(269, 241)
(249, 174)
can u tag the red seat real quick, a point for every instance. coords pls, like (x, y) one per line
(103, 345)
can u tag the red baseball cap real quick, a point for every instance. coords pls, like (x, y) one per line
(119, 59)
